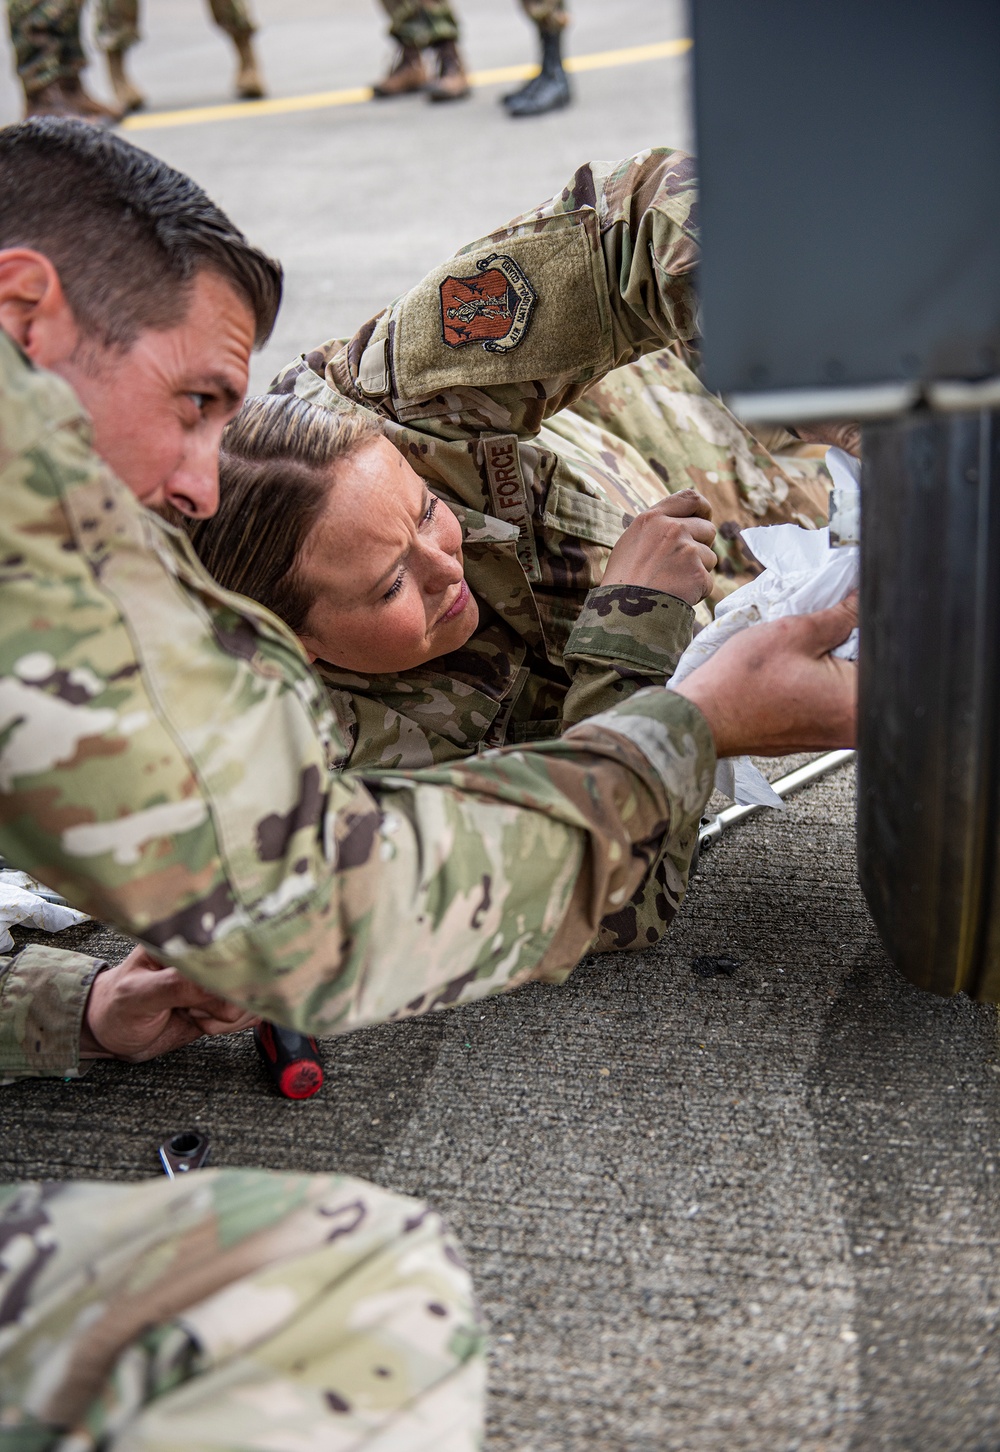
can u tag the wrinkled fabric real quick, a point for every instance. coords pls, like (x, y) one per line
(545, 452)
(167, 764)
(43, 996)
(117, 21)
(46, 39)
(421, 23)
(589, 434)
(550, 16)
(234, 1309)
(19, 905)
(801, 573)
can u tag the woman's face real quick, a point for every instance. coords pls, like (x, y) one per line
(384, 565)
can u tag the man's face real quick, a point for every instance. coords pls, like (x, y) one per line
(159, 408)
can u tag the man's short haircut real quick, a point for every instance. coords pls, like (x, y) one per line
(126, 233)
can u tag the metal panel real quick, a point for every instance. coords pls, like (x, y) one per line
(850, 169)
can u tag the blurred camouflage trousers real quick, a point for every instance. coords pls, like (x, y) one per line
(233, 1309)
(422, 23)
(46, 39)
(548, 15)
(118, 21)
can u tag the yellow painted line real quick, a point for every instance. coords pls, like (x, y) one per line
(630, 56)
(280, 106)
(358, 95)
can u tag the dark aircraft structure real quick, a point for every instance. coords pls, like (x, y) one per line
(849, 156)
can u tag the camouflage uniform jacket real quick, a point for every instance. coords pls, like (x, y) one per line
(484, 377)
(165, 763)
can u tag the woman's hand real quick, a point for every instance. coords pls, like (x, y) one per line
(139, 1009)
(668, 548)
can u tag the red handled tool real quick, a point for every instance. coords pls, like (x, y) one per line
(292, 1060)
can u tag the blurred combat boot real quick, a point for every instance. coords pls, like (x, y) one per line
(249, 85)
(67, 97)
(88, 106)
(549, 90)
(406, 74)
(128, 96)
(451, 82)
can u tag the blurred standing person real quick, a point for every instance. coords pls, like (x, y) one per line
(549, 90)
(118, 31)
(419, 25)
(49, 56)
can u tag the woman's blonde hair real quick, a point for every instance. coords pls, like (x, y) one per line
(274, 477)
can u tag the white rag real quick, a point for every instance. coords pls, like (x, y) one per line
(20, 904)
(802, 573)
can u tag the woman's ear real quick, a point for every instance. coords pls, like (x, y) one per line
(311, 648)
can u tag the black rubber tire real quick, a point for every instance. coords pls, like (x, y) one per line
(930, 692)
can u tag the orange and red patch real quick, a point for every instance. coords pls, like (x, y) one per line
(493, 307)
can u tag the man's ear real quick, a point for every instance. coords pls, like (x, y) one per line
(33, 307)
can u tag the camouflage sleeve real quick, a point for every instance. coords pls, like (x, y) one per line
(235, 1309)
(164, 764)
(626, 637)
(636, 778)
(43, 993)
(518, 325)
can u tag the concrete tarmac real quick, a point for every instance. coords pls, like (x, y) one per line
(746, 1213)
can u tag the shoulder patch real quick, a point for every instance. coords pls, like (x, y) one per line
(493, 307)
(536, 303)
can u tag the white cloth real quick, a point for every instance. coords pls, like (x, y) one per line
(801, 573)
(20, 904)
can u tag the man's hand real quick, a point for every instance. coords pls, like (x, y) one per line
(775, 688)
(140, 1009)
(668, 548)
